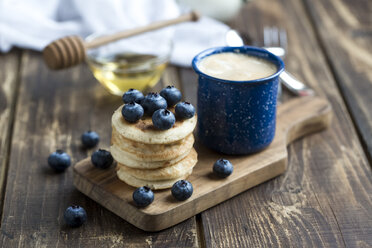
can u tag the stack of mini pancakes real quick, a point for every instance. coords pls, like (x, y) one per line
(147, 156)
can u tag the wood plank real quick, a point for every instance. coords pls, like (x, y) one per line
(171, 77)
(324, 198)
(344, 28)
(54, 109)
(9, 64)
(189, 81)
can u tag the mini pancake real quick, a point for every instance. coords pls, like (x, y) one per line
(144, 131)
(122, 158)
(155, 185)
(153, 152)
(170, 172)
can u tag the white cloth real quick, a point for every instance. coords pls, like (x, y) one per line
(35, 23)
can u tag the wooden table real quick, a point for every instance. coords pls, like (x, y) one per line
(324, 198)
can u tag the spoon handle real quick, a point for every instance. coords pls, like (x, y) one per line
(192, 16)
(294, 85)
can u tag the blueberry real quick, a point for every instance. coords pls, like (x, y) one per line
(143, 196)
(153, 102)
(182, 190)
(163, 119)
(59, 160)
(75, 216)
(223, 168)
(89, 139)
(185, 110)
(133, 95)
(102, 159)
(171, 94)
(132, 112)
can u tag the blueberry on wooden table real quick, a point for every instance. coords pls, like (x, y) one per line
(75, 216)
(182, 190)
(89, 139)
(132, 112)
(102, 159)
(59, 160)
(171, 94)
(163, 119)
(152, 102)
(143, 196)
(184, 110)
(223, 168)
(133, 95)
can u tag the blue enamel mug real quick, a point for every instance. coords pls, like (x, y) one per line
(237, 117)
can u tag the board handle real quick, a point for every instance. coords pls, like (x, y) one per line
(302, 116)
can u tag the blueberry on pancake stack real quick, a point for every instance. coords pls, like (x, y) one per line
(152, 138)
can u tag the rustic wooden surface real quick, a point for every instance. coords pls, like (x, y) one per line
(345, 30)
(295, 119)
(9, 63)
(324, 198)
(69, 103)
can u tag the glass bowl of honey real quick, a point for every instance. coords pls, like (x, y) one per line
(136, 62)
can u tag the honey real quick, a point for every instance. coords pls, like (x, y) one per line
(120, 72)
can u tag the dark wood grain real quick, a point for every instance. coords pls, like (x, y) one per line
(54, 109)
(189, 85)
(324, 198)
(345, 30)
(9, 64)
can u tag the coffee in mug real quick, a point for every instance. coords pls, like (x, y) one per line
(236, 66)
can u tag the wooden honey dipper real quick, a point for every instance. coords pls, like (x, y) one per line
(69, 51)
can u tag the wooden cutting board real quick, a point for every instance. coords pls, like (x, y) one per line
(295, 119)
